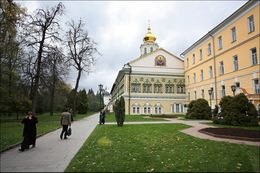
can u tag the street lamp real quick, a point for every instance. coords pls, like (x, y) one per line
(210, 93)
(129, 68)
(100, 90)
(233, 88)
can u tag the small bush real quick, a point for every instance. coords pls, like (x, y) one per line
(198, 109)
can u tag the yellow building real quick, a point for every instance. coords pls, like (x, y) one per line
(227, 55)
(153, 83)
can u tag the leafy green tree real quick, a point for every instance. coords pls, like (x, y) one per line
(11, 15)
(93, 101)
(82, 102)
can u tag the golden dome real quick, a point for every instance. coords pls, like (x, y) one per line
(149, 37)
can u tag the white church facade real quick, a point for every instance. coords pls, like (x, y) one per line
(153, 83)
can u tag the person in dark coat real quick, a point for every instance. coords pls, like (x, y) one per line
(29, 131)
(103, 116)
(65, 121)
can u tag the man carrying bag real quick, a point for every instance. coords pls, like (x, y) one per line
(65, 122)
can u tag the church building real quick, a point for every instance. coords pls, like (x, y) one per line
(153, 83)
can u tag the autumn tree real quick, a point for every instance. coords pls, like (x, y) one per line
(81, 51)
(11, 15)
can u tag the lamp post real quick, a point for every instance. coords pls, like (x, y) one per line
(100, 90)
(233, 88)
(210, 93)
(129, 67)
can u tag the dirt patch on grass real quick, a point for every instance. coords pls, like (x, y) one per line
(233, 133)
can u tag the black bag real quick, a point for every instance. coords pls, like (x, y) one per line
(69, 131)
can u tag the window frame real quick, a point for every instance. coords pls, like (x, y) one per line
(253, 56)
(220, 45)
(251, 24)
(233, 34)
(221, 68)
(235, 63)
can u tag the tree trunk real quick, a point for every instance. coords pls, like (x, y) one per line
(53, 88)
(75, 92)
(38, 71)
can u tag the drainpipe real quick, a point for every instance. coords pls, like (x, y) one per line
(215, 74)
(129, 88)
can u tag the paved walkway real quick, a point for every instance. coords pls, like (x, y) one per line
(53, 155)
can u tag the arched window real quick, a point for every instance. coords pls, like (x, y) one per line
(151, 49)
(145, 50)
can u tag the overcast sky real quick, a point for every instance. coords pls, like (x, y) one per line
(119, 27)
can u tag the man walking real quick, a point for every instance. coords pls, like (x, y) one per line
(65, 121)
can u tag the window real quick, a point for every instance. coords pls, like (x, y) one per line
(209, 49)
(177, 106)
(223, 91)
(136, 88)
(210, 72)
(180, 89)
(195, 95)
(193, 59)
(147, 88)
(148, 110)
(158, 110)
(194, 77)
(188, 96)
(157, 88)
(169, 88)
(202, 93)
(187, 65)
(233, 34)
(145, 50)
(256, 86)
(200, 54)
(254, 56)
(235, 63)
(221, 68)
(145, 112)
(188, 79)
(201, 75)
(220, 42)
(136, 109)
(151, 49)
(251, 25)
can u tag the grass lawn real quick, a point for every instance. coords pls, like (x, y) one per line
(11, 129)
(241, 127)
(159, 148)
(132, 118)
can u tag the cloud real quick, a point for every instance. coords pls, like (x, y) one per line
(119, 27)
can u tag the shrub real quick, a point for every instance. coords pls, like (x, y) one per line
(198, 109)
(119, 109)
(237, 110)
